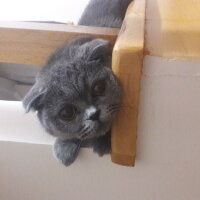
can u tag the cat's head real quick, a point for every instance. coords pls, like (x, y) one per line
(76, 94)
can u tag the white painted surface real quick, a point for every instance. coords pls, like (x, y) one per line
(18, 126)
(45, 10)
(168, 147)
(16, 80)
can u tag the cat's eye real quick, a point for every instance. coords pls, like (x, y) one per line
(98, 88)
(68, 112)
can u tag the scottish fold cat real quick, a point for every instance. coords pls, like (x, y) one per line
(76, 94)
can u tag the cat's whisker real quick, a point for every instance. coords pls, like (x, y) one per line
(86, 133)
(122, 106)
(83, 136)
(113, 105)
(81, 128)
(112, 111)
(85, 130)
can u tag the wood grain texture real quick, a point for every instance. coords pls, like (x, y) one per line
(31, 43)
(173, 28)
(127, 64)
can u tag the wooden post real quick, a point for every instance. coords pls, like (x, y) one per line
(126, 64)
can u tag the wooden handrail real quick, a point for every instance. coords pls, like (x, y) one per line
(31, 43)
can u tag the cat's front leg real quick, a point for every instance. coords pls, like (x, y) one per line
(66, 151)
(102, 144)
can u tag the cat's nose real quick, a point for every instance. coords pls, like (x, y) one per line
(95, 115)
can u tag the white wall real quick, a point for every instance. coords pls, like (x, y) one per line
(168, 146)
(42, 10)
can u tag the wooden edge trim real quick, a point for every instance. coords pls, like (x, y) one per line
(126, 64)
(123, 159)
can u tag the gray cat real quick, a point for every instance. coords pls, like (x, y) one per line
(76, 94)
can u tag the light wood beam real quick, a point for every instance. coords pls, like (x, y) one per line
(31, 43)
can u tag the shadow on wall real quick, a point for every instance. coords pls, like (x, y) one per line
(16, 80)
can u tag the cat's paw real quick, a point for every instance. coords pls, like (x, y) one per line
(66, 151)
(102, 145)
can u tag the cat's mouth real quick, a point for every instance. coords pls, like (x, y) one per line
(94, 130)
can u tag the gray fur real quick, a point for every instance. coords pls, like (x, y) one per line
(104, 13)
(66, 151)
(68, 80)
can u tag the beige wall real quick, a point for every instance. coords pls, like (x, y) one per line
(168, 147)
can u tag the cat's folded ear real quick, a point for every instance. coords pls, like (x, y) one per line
(96, 50)
(34, 98)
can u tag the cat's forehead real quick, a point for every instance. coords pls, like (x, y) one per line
(74, 89)
(79, 75)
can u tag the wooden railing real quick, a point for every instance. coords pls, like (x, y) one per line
(31, 43)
